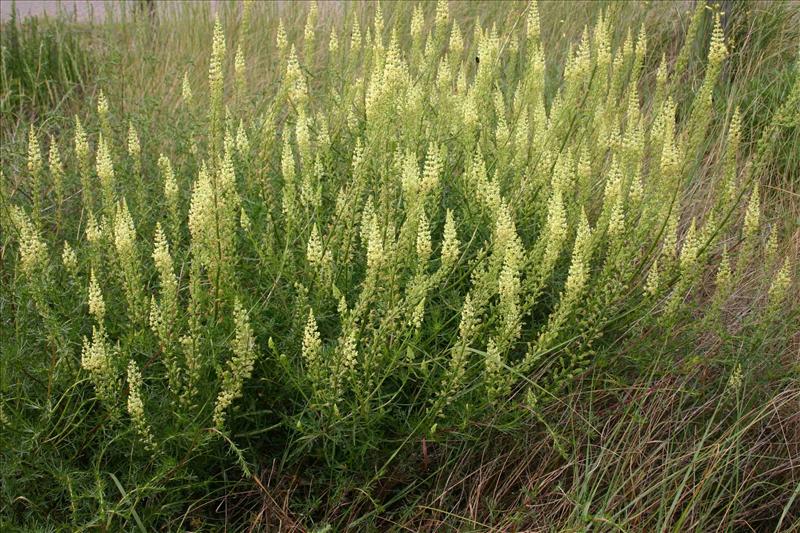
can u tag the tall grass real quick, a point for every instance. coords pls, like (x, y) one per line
(44, 61)
(433, 267)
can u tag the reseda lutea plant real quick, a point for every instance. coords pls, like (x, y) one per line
(419, 247)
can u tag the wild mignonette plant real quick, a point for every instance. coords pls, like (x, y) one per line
(417, 235)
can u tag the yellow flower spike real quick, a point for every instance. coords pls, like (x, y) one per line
(171, 193)
(56, 172)
(577, 278)
(216, 82)
(652, 282)
(244, 221)
(82, 152)
(186, 90)
(168, 282)
(752, 216)
(378, 26)
(136, 406)
(417, 23)
(309, 31)
(333, 43)
(423, 241)
(97, 305)
(133, 145)
(450, 244)
(247, 7)
(32, 249)
(295, 81)
(456, 45)
(69, 259)
(242, 143)
(128, 260)
(239, 367)
(314, 252)
(532, 27)
(779, 288)
(717, 51)
(493, 366)
(34, 153)
(555, 232)
(97, 358)
(281, 40)
(105, 172)
(442, 16)
(35, 167)
(312, 347)
(289, 185)
(509, 290)
(355, 38)
(103, 112)
(239, 73)
(94, 230)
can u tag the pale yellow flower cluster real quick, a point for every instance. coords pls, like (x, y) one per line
(450, 244)
(103, 113)
(97, 305)
(105, 172)
(69, 259)
(186, 90)
(98, 359)
(128, 260)
(32, 248)
(312, 347)
(35, 168)
(163, 315)
(136, 406)
(239, 367)
(56, 172)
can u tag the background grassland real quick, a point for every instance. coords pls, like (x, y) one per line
(653, 434)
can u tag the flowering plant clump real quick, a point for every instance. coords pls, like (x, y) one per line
(429, 231)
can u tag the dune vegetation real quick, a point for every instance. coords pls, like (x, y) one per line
(401, 266)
